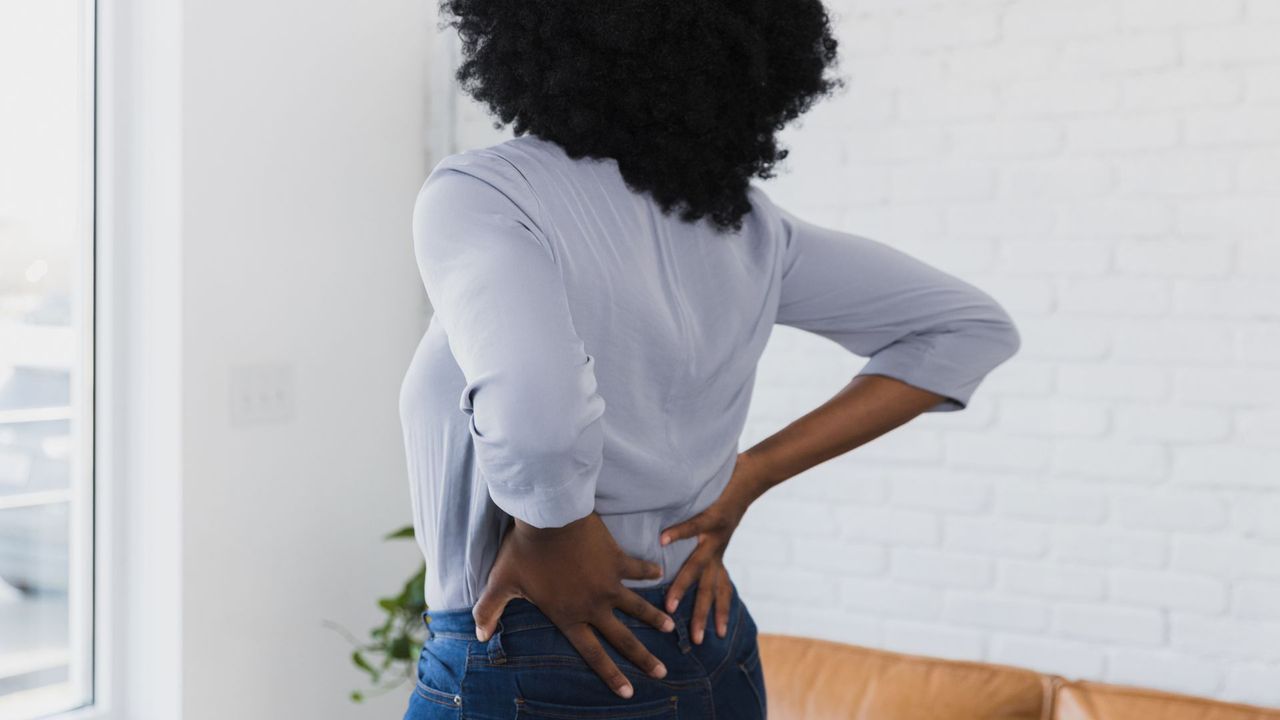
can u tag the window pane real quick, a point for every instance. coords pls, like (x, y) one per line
(46, 172)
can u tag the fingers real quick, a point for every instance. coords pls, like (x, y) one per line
(585, 642)
(702, 605)
(724, 596)
(637, 607)
(637, 569)
(489, 607)
(626, 643)
(692, 527)
(689, 572)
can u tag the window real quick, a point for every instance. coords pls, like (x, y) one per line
(46, 354)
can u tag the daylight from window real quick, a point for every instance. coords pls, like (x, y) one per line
(46, 515)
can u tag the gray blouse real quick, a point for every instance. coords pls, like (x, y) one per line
(588, 352)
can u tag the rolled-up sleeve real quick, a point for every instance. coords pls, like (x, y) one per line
(493, 282)
(916, 323)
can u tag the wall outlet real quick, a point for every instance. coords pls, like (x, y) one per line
(261, 394)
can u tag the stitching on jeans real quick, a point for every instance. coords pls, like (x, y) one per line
(538, 662)
(524, 705)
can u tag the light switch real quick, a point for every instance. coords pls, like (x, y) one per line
(261, 394)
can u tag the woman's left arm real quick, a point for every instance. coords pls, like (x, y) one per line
(931, 339)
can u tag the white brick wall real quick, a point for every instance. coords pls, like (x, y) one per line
(1109, 507)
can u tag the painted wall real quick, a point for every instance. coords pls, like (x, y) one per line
(1109, 507)
(304, 143)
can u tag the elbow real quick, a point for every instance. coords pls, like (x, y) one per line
(536, 424)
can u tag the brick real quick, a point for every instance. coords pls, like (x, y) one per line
(1115, 296)
(1227, 466)
(1181, 89)
(943, 494)
(835, 625)
(840, 558)
(1059, 179)
(1261, 258)
(1001, 220)
(1119, 548)
(1045, 256)
(1229, 386)
(983, 450)
(1162, 14)
(1167, 343)
(1172, 423)
(1184, 512)
(1116, 217)
(1119, 133)
(1254, 684)
(1005, 140)
(1164, 670)
(1110, 459)
(904, 143)
(891, 599)
(887, 525)
(812, 588)
(1234, 44)
(1057, 19)
(933, 640)
(1040, 502)
(945, 103)
(1052, 418)
(1049, 655)
(1246, 215)
(1169, 590)
(1258, 344)
(1161, 258)
(1036, 98)
(1259, 427)
(1022, 378)
(1136, 626)
(1113, 381)
(988, 536)
(942, 183)
(1246, 126)
(1000, 63)
(1177, 174)
(837, 481)
(1224, 637)
(1058, 337)
(931, 567)
(944, 28)
(1057, 582)
(1236, 297)
(1229, 558)
(1257, 600)
(1266, 10)
(1125, 54)
(990, 611)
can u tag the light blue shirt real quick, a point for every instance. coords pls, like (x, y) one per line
(588, 352)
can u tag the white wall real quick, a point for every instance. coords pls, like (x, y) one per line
(1109, 507)
(271, 155)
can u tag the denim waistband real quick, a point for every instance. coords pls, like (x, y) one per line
(524, 615)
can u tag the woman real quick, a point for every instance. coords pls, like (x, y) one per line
(603, 286)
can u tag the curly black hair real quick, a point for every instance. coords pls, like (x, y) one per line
(686, 95)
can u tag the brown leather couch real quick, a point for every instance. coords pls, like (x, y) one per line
(819, 680)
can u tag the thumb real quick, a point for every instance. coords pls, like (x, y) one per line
(489, 608)
(692, 527)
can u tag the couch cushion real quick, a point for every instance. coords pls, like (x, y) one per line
(818, 680)
(1095, 701)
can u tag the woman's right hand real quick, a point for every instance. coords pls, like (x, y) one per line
(574, 574)
(714, 528)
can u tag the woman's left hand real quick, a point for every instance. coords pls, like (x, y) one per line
(713, 527)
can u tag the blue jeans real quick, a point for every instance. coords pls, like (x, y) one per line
(528, 669)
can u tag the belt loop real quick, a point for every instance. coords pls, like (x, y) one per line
(497, 655)
(682, 631)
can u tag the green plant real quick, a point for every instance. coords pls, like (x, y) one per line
(389, 656)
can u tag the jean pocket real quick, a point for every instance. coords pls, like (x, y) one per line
(653, 710)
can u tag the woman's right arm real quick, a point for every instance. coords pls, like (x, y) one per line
(931, 339)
